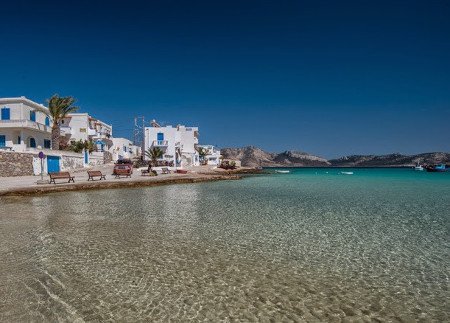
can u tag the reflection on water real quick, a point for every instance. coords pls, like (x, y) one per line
(297, 248)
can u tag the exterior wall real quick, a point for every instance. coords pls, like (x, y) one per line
(178, 146)
(123, 148)
(15, 164)
(20, 125)
(212, 155)
(81, 126)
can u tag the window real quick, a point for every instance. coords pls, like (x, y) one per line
(47, 143)
(2, 141)
(125, 148)
(160, 136)
(47, 121)
(33, 116)
(32, 142)
(6, 113)
(19, 140)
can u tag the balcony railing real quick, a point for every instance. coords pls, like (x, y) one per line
(160, 143)
(24, 124)
(65, 130)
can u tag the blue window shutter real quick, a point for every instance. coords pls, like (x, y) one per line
(160, 136)
(33, 116)
(6, 113)
(47, 121)
(2, 141)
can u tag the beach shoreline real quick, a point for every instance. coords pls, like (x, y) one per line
(26, 186)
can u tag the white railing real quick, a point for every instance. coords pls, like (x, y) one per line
(160, 143)
(65, 130)
(24, 124)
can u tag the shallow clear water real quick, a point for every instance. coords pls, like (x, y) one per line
(312, 245)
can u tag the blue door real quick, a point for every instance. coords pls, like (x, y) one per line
(86, 157)
(2, 141)
(53, 164)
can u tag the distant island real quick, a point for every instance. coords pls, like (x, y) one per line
(255, 157)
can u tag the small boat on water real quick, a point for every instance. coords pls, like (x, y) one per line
(282, 171)
(436, 168)
(419, 167)
(347, 173)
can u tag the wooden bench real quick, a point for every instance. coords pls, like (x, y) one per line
(148, 172)
(122, 172)
(165, 170)
(95, 173)
(61, 175)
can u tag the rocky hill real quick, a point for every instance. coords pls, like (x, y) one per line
(255, 157)
(391, 160)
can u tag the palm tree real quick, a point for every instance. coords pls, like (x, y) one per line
(153, 154)
(59, 108)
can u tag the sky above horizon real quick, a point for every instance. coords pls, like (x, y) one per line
(331, 78)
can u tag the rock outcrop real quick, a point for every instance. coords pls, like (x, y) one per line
(394, 160)
(255, 157)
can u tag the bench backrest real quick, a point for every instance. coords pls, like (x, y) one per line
(95, 173)
(60, 175)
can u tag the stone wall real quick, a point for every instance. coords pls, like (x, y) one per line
(15, 164)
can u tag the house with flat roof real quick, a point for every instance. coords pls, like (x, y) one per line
(82, 126)
(212, 155)
(177, 143)
(24, 125)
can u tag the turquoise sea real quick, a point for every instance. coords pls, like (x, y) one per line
(313, 245)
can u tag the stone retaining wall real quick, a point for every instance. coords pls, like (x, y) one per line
(15, 164)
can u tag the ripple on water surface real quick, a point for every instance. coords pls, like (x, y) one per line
(301, 247)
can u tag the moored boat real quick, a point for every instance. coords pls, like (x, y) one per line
(347, 173)
(282, 171)
(419, 167)
(436, 168)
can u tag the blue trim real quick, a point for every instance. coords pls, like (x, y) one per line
(6, 113)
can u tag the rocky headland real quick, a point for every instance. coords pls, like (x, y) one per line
(255, 157)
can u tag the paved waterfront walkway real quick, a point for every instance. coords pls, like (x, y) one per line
(26, 185)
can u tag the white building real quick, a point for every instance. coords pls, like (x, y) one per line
(123, 148)
(82, 126)
(177, 143)
(212, 156)
(24, 125)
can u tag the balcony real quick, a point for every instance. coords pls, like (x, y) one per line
(24, 124)
(92, 132)
(65, 130)
(160, 143)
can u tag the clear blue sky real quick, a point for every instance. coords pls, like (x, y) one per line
(327, 77)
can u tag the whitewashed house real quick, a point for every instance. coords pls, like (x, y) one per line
(177, 143)
(212, 156)
(82, 126)
(24, 125)
(123, 148)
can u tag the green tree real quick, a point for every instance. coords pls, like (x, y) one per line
(202, 153)
(59, 108)
(153, 154)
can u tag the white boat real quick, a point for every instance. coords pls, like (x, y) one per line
(419, 167)
(347, 173)
(282, 171)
